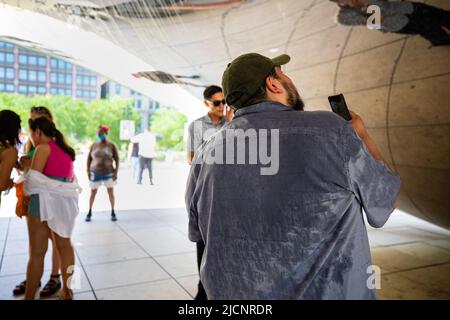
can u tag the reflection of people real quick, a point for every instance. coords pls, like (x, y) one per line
(198, 132)
(53, 204)
(9, 138)
(133, 157)
(54, 283)
(147, 152)
(102, 169)
(405, 17)
(201, 129)
(296, 232)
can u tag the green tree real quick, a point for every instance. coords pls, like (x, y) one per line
(77, 119)
(169, 124)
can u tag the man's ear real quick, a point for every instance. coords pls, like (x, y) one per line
(274, 85)
(206, 103)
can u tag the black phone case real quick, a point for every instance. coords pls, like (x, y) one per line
(339, 106)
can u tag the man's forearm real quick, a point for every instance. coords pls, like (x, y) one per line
(372, 147)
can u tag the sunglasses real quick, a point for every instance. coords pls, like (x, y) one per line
(217, 103)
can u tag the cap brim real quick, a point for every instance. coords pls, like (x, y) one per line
(281, 60)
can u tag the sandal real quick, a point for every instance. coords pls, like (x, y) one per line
(21, 287)
(53, 286)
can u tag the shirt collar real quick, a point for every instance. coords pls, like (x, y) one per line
(266, 106)
(207, 119)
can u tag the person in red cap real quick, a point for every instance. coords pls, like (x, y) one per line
(102, 168)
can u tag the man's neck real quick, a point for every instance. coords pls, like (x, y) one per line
(214, 119)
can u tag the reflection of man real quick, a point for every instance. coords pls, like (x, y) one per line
(147, 145)
(201, 129)
(405, 17)
(198, 132)
(133, 157)
(298, 233)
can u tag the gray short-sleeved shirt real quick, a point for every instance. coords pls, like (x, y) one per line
(201, 130)
(298, 234)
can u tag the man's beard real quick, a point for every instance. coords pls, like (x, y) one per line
(294, 99)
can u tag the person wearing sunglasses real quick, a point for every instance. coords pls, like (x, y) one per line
(201, 129)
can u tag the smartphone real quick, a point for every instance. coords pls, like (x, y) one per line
(339, 106)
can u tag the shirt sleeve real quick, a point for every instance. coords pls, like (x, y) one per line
(135, 139)
(191, 205)
(191, 138)
(374, 185)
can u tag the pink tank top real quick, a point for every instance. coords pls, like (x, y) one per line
(59, 163)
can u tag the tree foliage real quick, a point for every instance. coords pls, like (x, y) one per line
(169, 124)
(76, 119)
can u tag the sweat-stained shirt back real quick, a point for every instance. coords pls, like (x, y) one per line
(297, 234)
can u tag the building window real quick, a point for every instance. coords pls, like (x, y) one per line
(138, 104)
(42, 76)
(22, 89)
(93, 81)
(42, 90)
(54, 63)
(2, 72)
(61, 64)
(68, 66)
(86, 81)
(53, 91)
(42, 61)
(79, 80)
(9, 58)
(32, 60)
(53, 77)
(93, 94)
(32, 75)
(118, 89)
(61, 91)
(22, 59)
(23, 75)
(68, 78)
(61, 78)
(32, 89)
(68, 92)
(9, 87)
(2, 87)
(79, 93)
(9, 73)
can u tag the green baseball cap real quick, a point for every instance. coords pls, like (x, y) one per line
(245, 74)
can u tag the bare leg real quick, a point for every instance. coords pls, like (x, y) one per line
(112, 199)
(38, 233)
(67, 255)
(92, 198)
(56, 261)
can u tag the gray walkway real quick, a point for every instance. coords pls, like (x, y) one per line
(146, 255)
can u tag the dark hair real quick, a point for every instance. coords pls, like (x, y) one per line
(42, 112)
(9, 128)
(261, 94)
(210, 91)
(49, 129)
